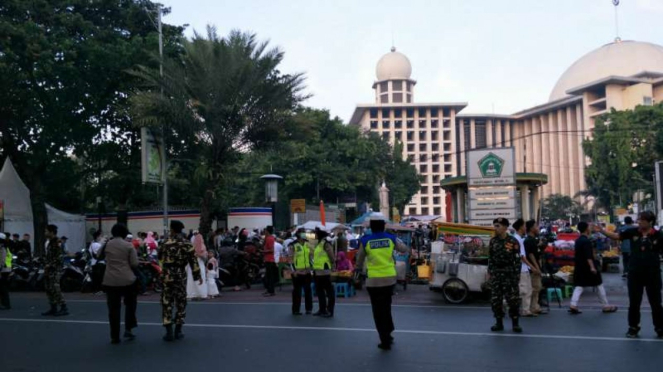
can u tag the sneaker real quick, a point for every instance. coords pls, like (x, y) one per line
(297, 313)
(63, 311)
(384, 346)
(115, 341)
(51, 312)
(499, 326)
(129, 336)
(632, 332)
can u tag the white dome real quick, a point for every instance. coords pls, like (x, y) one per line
(393, 65)
(623, 58)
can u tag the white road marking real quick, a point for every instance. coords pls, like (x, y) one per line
(342, 329)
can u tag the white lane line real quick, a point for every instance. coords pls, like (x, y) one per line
(342, 329)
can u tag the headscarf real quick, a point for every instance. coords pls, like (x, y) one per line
(150, 239)
(342, 263)
(199, 245)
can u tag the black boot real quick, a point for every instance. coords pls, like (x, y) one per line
(516, 327)
(51, 312)
(178, 332)
(63, 311)
(499, 326)
(169, 333)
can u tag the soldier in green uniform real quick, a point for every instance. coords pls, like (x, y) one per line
(504, 266)
(174, 255)
(53, 273)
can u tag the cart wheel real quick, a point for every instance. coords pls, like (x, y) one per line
(455, 291)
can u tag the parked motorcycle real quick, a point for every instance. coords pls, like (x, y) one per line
(23, 271)
(73, 274)
(149, 272)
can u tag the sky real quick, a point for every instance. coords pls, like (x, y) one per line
(498, 56)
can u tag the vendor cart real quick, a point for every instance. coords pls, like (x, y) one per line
(459, 258)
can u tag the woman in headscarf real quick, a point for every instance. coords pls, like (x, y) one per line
(343, 263)
(194, 290)
(151, 244)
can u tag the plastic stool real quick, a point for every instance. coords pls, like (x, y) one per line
(568, 291)
(554, 292)
(344, 289)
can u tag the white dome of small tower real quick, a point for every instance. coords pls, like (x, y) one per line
(394, 83)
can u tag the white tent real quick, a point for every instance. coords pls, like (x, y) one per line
(312, 225)
(18, 211)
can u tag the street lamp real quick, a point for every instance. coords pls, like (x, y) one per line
(272, 191)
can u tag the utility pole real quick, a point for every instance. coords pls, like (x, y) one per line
(164, 163)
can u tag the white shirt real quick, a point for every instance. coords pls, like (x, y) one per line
(94, 250)
(523, 266)
(278, 251)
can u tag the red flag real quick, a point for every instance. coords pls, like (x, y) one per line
(322, 213)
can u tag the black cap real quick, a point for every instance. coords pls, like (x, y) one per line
(176, 226)
(64, 238)
(502, 221)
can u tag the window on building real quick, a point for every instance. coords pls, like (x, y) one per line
(446, 123)
(447, 168)
(424, 189)
(446, 136)
(374, 113)
(433, 112)
(410, 158)
(398, 97)
(423, 168)
(434, 135)
(434, 123)
(408, 98)
(435, 147)
(408, 86)
(385, 113)
(398, 124)
(397, 85)
(374, 125)
(422, 112)
(410, 124)
(424, 211)
(422, 147)
(384, 98)
(436, 189)
(410, 113)
(480, 134)
(398, 113)
(423, 157)
(466, 129)
(436, 200)
(424, 200)
(384, 87)
(422, 135)
(399, 135)
(436, 178)
(447, 158)
(447, 147)
(422, 123)
(385, 135)
(410, 135)
(413, 211)
(436, 211)
(410, 147)
(436, 168)
(647, 101)
(436, 157)
(385, 124)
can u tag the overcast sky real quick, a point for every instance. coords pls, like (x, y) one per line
(499, 56)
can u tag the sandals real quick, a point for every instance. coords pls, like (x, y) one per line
(574, 311)
(609, 309)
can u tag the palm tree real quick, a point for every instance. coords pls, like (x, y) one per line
(223, 97)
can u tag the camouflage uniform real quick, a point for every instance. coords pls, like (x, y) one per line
(174, 255)
(53, 268)
(504, 268)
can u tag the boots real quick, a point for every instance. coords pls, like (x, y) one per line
(63, 311)
(169, 333)
(499, 326)
(178, 332)
(516, 326)
(52, 312)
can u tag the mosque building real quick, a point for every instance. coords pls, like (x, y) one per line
(546, 138)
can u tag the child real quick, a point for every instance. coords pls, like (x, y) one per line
(212, 274)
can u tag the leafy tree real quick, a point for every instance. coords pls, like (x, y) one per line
(64, 91)
(558, 207)
(623, 149)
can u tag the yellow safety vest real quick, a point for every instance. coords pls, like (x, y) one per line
(302, 256)
(320, 257)
(379, 258)
(8, 258)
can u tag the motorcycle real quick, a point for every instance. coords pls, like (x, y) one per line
(23, 272)
(73, 275)
(149, 272)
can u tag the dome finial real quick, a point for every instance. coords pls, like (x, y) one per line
(393, 48)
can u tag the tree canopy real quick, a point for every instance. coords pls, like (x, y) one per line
(558, 207)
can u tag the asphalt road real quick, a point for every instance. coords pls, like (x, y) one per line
(228, 335)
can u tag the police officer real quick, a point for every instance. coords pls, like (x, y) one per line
(53, 273)
(5, 270)
(174, 255)
(301, 280)
(504, 266)
(323, 265)
(377, 249)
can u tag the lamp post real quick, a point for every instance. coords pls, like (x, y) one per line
(99, 213)
(272, 191)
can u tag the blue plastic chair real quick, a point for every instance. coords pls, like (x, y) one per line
(554, 292)
(344, 289)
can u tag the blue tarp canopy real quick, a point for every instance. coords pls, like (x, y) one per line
(367, 216)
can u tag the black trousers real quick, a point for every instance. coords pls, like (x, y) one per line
(114, 297)
(381, 305)
(97, 276)
(299, 282)
(271, 276)
(638, 281)
(626, 258)
(4, 290)
(325, 291)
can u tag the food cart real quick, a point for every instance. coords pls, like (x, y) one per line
(459, 258)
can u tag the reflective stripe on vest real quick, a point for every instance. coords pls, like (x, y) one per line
(302, 257)
(320, 257)
(379, 258)
(8, 258)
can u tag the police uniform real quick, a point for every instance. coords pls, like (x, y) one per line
(504, 264)
(301, 263)
(175, 254)
(5, 270)
(324, 288)
(53, 269)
